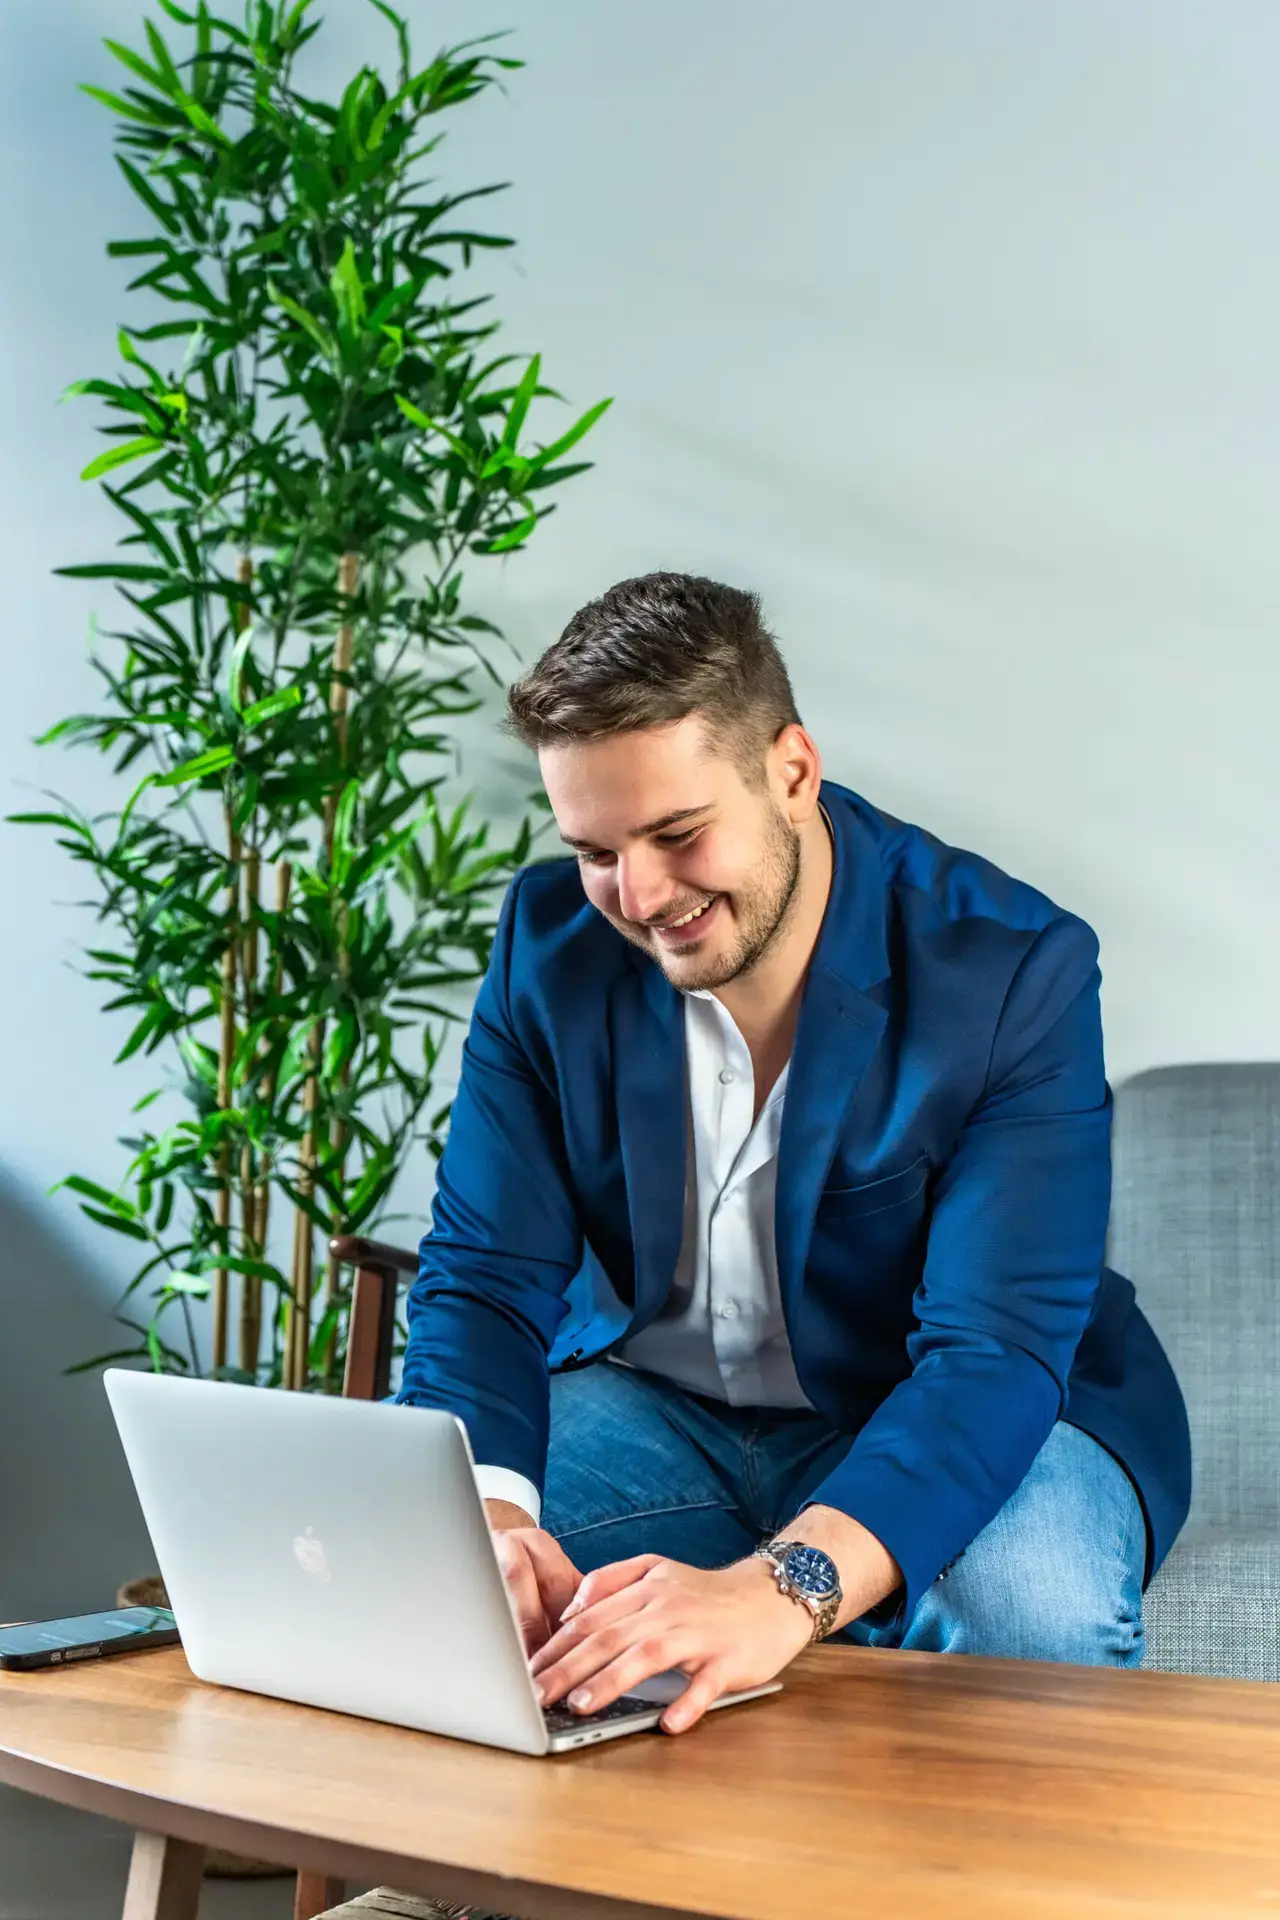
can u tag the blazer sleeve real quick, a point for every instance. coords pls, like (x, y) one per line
(505, 1240)
(1012, 1266)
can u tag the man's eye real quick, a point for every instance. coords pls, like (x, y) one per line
(591, 858)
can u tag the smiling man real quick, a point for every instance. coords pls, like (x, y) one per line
(766, 1266)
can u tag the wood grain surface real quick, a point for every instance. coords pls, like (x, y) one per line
(877, 1783)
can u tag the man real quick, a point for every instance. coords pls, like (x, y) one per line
(766, 1267)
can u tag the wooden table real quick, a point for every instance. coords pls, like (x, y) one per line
(886, 1784)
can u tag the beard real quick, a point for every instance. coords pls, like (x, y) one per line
(762, 907)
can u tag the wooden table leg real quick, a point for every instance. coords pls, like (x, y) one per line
(164, 1878)
(315, 1893)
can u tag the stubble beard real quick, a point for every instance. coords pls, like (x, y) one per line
(764, 908)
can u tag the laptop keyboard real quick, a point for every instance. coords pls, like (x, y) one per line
(561, 1720)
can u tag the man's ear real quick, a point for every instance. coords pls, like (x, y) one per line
(796, 766)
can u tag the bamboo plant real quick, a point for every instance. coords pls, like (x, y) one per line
(307, 441)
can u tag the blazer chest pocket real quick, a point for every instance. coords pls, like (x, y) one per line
(874, 1196)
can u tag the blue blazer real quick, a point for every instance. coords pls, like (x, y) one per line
(943, 1187)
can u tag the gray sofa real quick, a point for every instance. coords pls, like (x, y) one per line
(1195, 1224)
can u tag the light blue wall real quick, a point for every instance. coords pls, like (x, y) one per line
(952, 329)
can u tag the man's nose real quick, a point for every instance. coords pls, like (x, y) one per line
(644, 886)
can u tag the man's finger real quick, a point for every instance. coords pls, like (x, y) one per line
(611, 1579)
(558, 1579)
(522, 1581)
(701, 1693)
(579, 1626)
(632, 1667)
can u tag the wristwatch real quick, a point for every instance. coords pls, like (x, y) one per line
(808, 1575)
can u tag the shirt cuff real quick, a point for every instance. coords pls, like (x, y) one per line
(504, 1483)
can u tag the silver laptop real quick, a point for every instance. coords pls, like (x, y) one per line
(337, 1552)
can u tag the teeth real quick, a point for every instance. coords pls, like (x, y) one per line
(689, 916)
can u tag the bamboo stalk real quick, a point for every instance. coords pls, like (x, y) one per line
(250, 1284)
(262, 1197)
(236, 958)
(226, 1051)
(339, 690)
(296, 1354)
(303, 1233)
(339, 699)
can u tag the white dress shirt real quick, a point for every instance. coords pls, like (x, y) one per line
(722, 1331)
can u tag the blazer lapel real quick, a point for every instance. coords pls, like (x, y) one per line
(836, 1041)
(647, 1021)
(837, 1034)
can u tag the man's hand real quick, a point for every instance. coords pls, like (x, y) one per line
(728, 1630)
(542, 1578)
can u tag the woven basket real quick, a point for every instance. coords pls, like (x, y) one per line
(149, 1591)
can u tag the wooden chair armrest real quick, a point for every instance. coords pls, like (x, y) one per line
(371, 1327)
(350, 1251)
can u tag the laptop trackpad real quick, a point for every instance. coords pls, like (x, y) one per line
(662, 1688)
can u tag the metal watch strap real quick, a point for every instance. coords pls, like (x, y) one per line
(824, 1612)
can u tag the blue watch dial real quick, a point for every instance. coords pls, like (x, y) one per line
(812, 1571)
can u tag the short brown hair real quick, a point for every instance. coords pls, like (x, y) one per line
(650, 652)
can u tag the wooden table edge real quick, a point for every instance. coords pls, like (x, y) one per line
(314, 1853)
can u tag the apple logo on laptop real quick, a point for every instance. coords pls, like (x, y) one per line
(311, 1556)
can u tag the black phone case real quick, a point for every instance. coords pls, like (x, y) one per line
(91, 1650)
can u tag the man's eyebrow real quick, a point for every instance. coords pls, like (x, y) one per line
(654, 826)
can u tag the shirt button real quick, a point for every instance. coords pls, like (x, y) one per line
(729, 1311)
(727, 1076)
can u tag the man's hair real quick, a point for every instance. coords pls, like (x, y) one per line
(650, 652)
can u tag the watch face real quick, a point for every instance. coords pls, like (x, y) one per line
(812, 1571)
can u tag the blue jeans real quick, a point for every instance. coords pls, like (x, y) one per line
(637, 1465)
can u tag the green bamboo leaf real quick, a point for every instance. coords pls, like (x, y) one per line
(121, 456)
(347, 291)
(180, 1280)
(136, 64)
(420, 419)
(114, 1221)
(62, 820)
(213, 760)
(513, 537)
(112, 570)
(90, 1189)
(160, 54)
(344, 829)
(126, 250)
(240, 1263)
(571, 438)
(204, 48)
(323, 1334)
(126, 109)
(106, 1360)
(149, 196)
(144, 1032)
(203, 121)
(165, 1210)
(149, 780)
(275, 703)
(521, 401)
(309, 324)
(272, 242)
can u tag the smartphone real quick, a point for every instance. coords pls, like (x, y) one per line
(89, 1636)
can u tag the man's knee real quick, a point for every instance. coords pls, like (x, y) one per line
(1020, 1604)
(1057, 1575)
